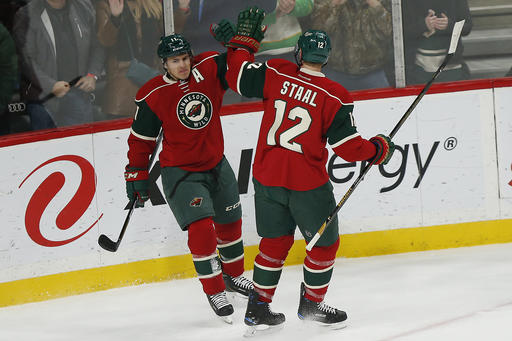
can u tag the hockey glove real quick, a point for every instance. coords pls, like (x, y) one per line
(385, 148)
(249, 30)
(223, 31)
(137, 185)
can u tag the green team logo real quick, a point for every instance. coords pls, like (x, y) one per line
(194, 110)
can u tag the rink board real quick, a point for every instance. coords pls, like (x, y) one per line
(449, 184)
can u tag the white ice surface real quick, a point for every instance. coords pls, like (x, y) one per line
(456, 294)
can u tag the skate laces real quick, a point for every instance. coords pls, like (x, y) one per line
(219, 300)
(242, 282)
(326, 308)
(268, 308)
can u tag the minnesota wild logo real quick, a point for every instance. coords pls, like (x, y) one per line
(194, 110)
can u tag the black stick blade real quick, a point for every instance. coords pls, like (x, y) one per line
(107, 244)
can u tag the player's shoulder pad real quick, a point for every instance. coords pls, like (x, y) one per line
(281, 64)
(151, 85)
(337, 90)
(204, 56)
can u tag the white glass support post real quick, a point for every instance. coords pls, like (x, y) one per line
(168, 17)
(398, 43)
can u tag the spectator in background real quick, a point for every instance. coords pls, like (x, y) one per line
(130, 29)
(8, 76)
(283, 27)
(428, 27)
(361, 34)
(56, 41)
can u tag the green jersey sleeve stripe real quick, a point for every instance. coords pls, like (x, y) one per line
(146, 124)
(350, 137)
(142, 137)
(251, 79)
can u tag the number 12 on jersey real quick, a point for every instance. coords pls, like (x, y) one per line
(285, 139)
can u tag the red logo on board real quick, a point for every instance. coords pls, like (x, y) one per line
(70, 214)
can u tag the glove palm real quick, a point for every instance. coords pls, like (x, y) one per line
(249, 29)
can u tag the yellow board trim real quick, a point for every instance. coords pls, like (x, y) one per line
(177, 267)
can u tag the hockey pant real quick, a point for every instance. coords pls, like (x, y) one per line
(204, 237)
(268, 265)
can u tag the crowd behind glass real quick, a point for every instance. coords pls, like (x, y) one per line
(70, 62)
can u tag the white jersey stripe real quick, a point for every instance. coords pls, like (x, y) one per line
(265, 286)
(210, 275)
(230, 243)
(161, 86)
(231, 260)
(318, 271)
(317, 286)
(239, 77)
(350, 137)
(267, 268)
(199, 259)
(142, 137)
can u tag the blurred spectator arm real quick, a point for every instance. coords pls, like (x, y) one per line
(25, 38)
(8, 67)
(108, 25)
(96, 62)
(379, 19)
(181, 15)
(302, 8)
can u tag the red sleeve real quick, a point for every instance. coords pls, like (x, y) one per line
(139, 151)
(356, 149)
(236, 59)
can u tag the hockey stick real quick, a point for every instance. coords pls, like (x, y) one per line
(453, 46)
(51, 94)
(104, 241)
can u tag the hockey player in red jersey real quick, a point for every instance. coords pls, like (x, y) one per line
(303, 110)
(198, 181)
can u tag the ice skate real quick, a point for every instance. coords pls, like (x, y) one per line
(221, 306)
(239, 285)
(259, 317)
(320, 313)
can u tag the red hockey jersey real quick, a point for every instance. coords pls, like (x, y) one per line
(188, 113)
(303, 110)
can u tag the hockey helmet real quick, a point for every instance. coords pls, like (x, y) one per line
(173, 45)
(313, 46)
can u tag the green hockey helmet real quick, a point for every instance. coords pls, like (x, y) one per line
(313, 46)
(173, 45)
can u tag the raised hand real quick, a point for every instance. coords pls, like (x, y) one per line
(116, 7)
(441, 23)
(284, 7)
(249, 29)
(430, 21)
(223, 31)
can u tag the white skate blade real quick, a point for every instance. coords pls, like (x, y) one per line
(323, 326)
(262, 329)
(227, 319)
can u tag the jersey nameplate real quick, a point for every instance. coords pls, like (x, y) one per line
(194, 110)
(297, 92)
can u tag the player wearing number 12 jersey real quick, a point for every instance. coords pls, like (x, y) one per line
(303, 110)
